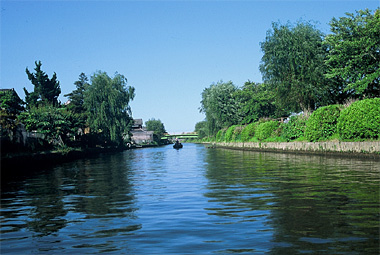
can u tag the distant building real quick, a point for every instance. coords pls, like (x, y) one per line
(139, 133)
(137, 124)
(142, 136)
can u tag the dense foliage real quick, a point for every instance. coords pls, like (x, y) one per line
(201, 129)
(57, 124)
(76, 101)
(76, 97)
(46, 91)
(10, 107)
(322, 123)
(10, 102)
(248, 132)
(302, 70)
(293, 65)
(220, 106)
(233, 133)
(97, 113)
(220, 136)
(107, 106)
(294, 128)
(361, 120)
(266, 129)
(157, 127)
(257, 101)
(354, 52)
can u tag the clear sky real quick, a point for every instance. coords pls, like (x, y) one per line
(168, 50)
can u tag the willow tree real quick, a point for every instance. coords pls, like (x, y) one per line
(293, 64)
(221, 106)
(107, 105)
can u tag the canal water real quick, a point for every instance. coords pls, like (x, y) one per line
(194, 201)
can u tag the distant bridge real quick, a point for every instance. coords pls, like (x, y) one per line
(181, 136)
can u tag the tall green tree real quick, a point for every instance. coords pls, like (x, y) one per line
(76, 97)
(258, 101)
(107, 105)
(76, 101)
(157, 127)
(221, 106)
(293, 64)
(201, 129)
(354, 53)
(46, 91)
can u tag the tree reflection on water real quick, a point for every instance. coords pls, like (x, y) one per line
(312, 204)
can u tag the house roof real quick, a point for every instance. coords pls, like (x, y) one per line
(138, 122)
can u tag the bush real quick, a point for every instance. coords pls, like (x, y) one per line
(233, 133)
(55, 123)
(295, 128)
(265, 130)
(322, 123)
(278, 131)
(237, 133)
(361, 120)
(220, 135)
(248, 132)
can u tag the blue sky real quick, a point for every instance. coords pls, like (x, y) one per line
(168, 50)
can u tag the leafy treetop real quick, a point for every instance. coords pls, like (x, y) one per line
(156, 126)
(354, 52)
(77, 96)
(46, 91)
(293, 64)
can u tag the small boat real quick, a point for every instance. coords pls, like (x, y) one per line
(177, 145)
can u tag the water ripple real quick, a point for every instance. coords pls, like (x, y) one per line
(195, 201)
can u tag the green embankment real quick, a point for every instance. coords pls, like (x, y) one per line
(334, 128)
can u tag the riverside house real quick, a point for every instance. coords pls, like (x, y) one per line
(139, 133)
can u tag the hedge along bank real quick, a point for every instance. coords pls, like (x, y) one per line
(358, 122)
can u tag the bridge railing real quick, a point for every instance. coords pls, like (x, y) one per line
(181, 136)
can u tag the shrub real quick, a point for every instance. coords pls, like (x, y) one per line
(229, 136)
(254, 139)
(295, 128)
(237, 133)
(55, 123)
(278, 131)
(275, 139)
(265, 130)
(361, 120)
(322, 123)
(220, 135)
(248, 132)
